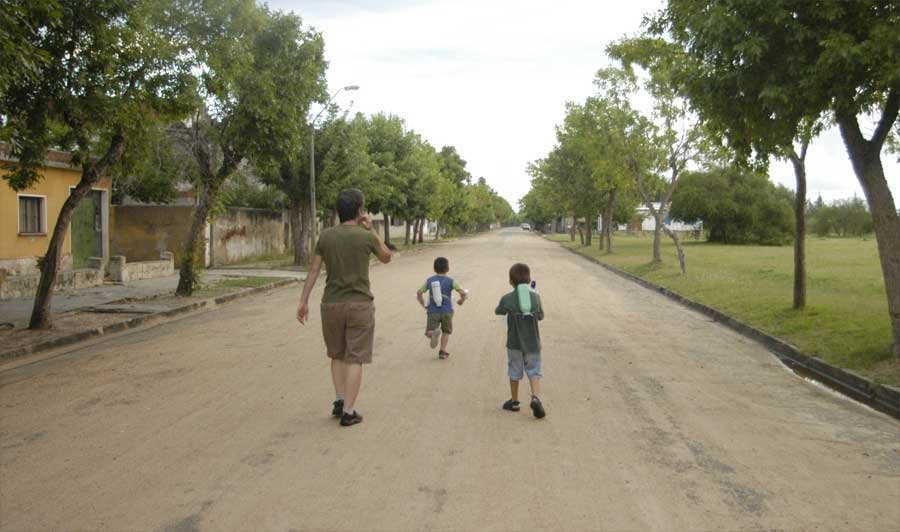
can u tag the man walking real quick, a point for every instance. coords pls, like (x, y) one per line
(348, 313)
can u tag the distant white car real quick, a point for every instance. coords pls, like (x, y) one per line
(526, 227)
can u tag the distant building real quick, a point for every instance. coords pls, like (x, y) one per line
(643, 221)
(27, 218)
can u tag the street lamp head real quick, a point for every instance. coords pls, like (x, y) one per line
(351, 87)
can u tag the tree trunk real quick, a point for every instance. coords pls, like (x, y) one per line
(572, 228)
(657, 237)
(589, 233)
(193, 250)
(799, 164)
(387, 229)
(298, 231)
(437, 231)
(41, 317)
(659, 217)
(422, 231)
(610, 216)
(866, 158)
(210, 185)
(580, 233)
(674, 237)
(408, 230)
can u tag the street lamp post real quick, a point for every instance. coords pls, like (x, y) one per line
(312, 168)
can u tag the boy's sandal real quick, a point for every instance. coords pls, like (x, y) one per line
(443, 354)
(512, 406)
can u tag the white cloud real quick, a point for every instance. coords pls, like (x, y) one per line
(491, 77)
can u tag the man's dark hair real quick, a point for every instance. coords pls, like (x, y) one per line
(441, 265)
(519, 274)
(349, 202)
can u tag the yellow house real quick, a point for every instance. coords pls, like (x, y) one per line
(27, 219)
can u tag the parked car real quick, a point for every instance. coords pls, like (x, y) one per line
(526, 227)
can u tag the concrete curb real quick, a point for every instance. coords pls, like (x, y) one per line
(138, 320)
(881, 397)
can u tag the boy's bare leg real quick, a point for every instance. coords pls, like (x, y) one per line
(444, 340)
(352, 382)
(535, 386)
(514, 389)
(338, 376)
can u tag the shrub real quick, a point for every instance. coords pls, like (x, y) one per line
(736, 207)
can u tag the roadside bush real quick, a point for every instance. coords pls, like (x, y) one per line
(848, 217)
(242, 190)
(735, 207)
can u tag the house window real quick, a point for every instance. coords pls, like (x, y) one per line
(31, 215)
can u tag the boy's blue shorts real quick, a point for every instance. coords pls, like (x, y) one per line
(524, 364)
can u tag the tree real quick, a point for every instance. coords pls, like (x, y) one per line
(797, 157)
(736, 207)
(678, 135)
(21, 54)
(389, 147)
(243, 189)
(102, 72)
(848, 217)
(503, 211)
(342, 161)
(260, 73)
(757, 75)
(540, 206)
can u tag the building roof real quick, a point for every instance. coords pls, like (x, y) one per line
(54, 158)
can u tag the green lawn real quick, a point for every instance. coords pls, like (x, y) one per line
(845, 322)
(243, 282)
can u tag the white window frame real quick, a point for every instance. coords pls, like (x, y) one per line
(43, 199)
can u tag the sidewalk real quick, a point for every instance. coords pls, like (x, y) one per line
(18, 311)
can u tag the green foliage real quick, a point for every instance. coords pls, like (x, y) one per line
(342, 159)
(153, 168)
(20, 23)
(848, 217)
(538, 206)
(243, 190)
(389, 148)
(755, 71)
(736, 207)
(127, 76)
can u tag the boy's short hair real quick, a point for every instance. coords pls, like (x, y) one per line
(519, 273)
(441, 265)
(349, 202)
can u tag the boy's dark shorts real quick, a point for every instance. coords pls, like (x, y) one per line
(349, 330)
(445, 321)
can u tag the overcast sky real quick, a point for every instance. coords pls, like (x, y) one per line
(492, 77)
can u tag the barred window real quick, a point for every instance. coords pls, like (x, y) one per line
(31, 215)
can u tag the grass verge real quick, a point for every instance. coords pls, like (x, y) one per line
(844, 323)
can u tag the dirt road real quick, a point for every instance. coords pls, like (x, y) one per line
(658, 419)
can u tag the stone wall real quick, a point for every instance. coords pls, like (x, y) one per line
(122, 271)
(23, 286)
(142, 232)
(240, 233)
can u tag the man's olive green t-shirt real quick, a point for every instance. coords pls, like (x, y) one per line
(345, 250)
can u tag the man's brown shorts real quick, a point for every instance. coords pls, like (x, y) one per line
(349, 330)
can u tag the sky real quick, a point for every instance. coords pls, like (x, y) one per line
(492, 77)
